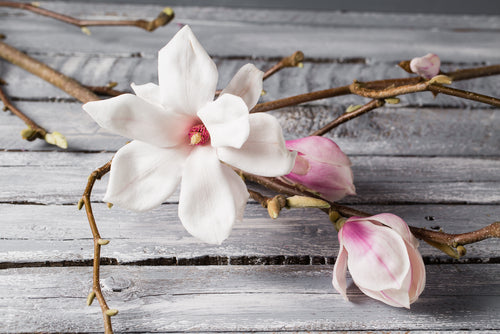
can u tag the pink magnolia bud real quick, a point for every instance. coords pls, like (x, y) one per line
(382, 257)
(321, 166)
(426, 66)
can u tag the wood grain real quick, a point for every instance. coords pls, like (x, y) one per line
(228, 33)
(241, 299)
(433, 161)
(59, 235)
(59, 178)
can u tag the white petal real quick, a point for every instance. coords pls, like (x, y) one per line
(264, 153)
(398, 225)
(396, 298)
(377, 258)
(149, 92)
(247, 84)
(187, 75)
(226, 119)
(339, 272)
(143, 176)
(213, 196)
(135, 118)
(417, 273)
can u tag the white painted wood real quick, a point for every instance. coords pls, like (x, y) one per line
(55, 233)
(241, 299)
(227, 33)
(59, 178)
(98, 70)
(387, 131)
(422, 160)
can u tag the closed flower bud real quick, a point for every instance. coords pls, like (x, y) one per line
(382, 257)
(426, 66)
(322, 167)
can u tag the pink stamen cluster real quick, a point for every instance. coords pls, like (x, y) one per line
(198, 135)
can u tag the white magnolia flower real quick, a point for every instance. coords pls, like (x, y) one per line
(181, 135)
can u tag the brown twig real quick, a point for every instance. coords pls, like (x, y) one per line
(98, 242)
(35, 131)
(162, 19)
(61, 81)
(433, 237)
(390, 88)
(464, 94)
(302, 98)
(373, 104)
(104, 90)
(454, 240)
(295, 60)
(291, 61)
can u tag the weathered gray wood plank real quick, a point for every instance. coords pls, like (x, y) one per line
(98, 70)
(59, 178)
(54, 234)
(288, 16)
(228, 35)
(241, 298)
(388, 131)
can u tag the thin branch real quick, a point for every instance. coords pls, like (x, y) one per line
(104, 90)
(433, 237)
(37, 130)
(464, 94)
(390, 88)
(373, 104)
(471, 73)
(98, 242)
(302, 98)
(359, 88)
(293, 60)
(162, 19)
(454, 240)
(61, 81)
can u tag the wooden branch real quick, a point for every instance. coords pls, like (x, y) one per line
(36, 130)
(436, 89)
(61, 81)
(373, 104)
(98, 242)
(294, 60)
(302, 98)
(165, 16)
(434, 238)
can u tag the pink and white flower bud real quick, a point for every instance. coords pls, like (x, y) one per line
(382, 257)
(321, 166)
(426, 66)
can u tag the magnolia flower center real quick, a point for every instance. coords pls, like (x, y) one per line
(198, 135)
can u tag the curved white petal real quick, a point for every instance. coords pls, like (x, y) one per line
(392, 297)
(226, 119)
(417, 273)
(149, 92)
(339, 272)
(143, 176)
(377, 259)
(135, 118)
(398, 225)
(247, 84)
(264, 153)
(213, 196)
(187, 75)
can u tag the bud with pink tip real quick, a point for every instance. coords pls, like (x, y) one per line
(382, 257)
(426, 66)
(321, 166)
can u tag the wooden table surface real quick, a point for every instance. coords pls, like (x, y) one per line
(433, 161)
